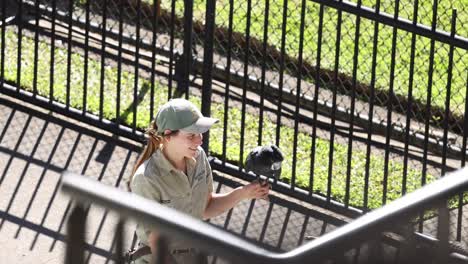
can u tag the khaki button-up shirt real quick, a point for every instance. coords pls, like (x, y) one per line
(158, 180)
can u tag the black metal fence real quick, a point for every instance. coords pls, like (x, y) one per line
(386, 235)
(367, 100)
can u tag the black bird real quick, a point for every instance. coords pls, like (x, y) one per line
(266, 161)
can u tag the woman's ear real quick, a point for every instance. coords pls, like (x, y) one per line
(167, 134)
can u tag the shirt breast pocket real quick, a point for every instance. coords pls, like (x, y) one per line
(175, 201)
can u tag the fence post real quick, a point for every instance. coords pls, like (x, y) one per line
(443, 233)
(119, 249)
(407, 253)
(184, 62)
(76, 231)
(208, 65)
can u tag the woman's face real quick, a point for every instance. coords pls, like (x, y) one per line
(185, 144)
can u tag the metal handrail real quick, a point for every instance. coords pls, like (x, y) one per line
(215, 240)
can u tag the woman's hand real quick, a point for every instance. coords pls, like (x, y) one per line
(255, 190)
(219, 203)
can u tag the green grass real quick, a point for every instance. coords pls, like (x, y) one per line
(320, 173)
(383, 69)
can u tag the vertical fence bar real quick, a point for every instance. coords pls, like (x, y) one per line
(390, 105)
(353, 100)
(284, 228)
(154, 21)
(316, 95)
(298, 94)
(357, 253)
(281, 72)
(119, 232)
(448, 95)
(103, 59)
(264, 65)
(333, 112)
(225, 226)
(443, 231)
(407, 252)
(171, 47)
(137, 68)
(52, 52)
(119, 66)
(201, 258)
(69, 52)
(376, 251)
(244, 83)
(85, 77)
(410, 100)
(20, 40)
(2, 52)
(429, 94)
(371, 109)
(428, 105)
(228, 79)
(76, 231)
(304, 226)
(463, 161)
(247, 217)
(208, 66)
(160, 257)
(266, 222)
(36, 47)
(184, 83)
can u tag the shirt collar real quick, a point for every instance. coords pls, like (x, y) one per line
(166, 166)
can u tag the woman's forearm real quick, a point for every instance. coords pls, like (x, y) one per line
(221, 202)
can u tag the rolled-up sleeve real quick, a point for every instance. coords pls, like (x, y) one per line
(145, 187)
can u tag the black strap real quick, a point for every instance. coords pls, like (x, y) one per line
(133, 254)
(183, 251)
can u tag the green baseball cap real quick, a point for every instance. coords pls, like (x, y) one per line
(180, 114)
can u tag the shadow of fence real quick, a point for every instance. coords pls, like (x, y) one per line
(36, 146)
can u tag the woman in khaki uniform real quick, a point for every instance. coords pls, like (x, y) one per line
(173, 170)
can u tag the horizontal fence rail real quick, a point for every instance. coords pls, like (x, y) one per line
(404, 24)
(213, 240)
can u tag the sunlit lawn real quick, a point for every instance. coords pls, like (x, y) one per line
(320, 173)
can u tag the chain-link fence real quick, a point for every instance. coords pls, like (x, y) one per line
(366, 106)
